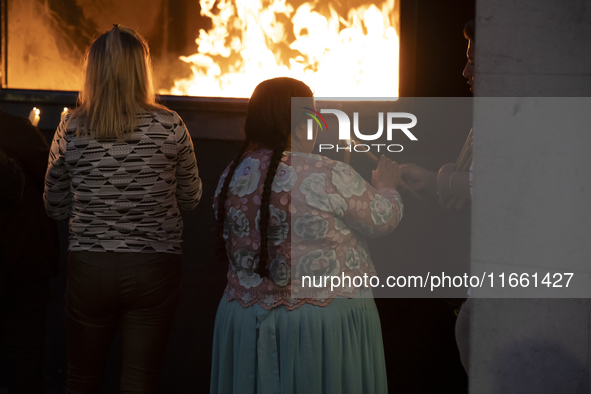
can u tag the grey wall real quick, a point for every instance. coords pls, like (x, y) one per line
(531, 194)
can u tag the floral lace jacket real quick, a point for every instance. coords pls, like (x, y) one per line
(321, 210)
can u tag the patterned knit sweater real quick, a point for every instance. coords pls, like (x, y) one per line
(124, 195)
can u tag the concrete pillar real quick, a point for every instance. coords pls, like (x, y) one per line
(532, 195)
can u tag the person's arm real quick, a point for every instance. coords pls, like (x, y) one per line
(189, 187)
(12, 183)
(373, 211)
(57, 196)
(454, 182)
(418, 177)
(446, 181)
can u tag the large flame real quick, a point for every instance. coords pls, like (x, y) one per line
(353, 55)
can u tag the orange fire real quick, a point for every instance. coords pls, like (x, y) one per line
(352, 55)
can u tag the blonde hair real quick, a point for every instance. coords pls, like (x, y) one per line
(117, 85)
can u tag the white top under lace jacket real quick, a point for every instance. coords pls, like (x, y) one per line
(124, 195)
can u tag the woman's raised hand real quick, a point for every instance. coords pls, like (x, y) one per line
(386, 175)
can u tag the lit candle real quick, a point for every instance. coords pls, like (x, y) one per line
(34, 116)
(64, 113)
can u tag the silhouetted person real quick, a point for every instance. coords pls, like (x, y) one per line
(449, 182)
(29, 252)
(12, 183)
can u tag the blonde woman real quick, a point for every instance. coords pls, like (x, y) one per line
(120, 167)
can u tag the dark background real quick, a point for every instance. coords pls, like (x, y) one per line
(418, 333)
(421, 354)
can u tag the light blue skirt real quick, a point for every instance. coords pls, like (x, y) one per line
(333, 349)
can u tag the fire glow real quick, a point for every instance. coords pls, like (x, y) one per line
(252, 40)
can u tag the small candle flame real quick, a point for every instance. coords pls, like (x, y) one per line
(34, 116)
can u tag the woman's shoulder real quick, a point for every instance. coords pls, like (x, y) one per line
(71, 122)
(310, 163)
(166, 117)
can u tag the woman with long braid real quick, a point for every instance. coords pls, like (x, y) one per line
(284, 213)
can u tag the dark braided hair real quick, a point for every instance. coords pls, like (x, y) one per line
(224, 192)
(268, 124)
(265, 211)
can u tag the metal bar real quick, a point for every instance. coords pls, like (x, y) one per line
(68, 98)
(3, 43)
